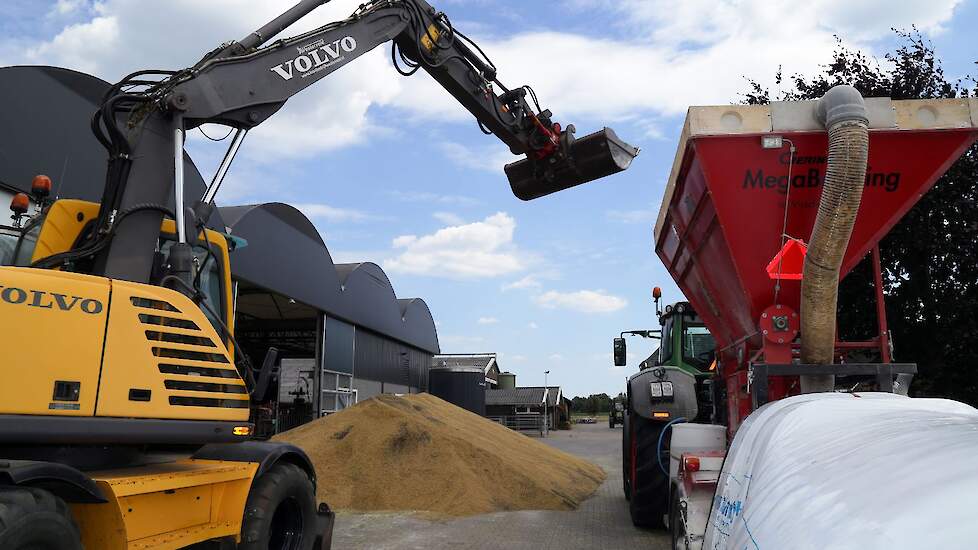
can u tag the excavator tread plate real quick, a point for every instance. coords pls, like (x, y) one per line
(173, 475)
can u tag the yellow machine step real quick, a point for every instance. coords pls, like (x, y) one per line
(166, 506)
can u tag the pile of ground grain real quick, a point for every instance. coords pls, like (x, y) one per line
(420, 453)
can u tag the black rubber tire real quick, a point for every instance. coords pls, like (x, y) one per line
(34, 519)
(625, 455)
(611, 420)
(675, 525)
(650, 486)
(281, 511)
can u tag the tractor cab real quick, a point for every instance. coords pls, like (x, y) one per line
(685, 342)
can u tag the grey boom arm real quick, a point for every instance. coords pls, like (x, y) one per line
(241, 84)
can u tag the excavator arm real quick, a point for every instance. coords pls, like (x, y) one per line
(241, 84)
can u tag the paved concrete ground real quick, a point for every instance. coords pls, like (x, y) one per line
(601, 522)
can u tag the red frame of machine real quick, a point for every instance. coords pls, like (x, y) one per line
(723, 226)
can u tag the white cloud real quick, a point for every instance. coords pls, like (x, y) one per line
(710, 21)
(332, 213)
(530, 281)
(586, 301)
(487, 320)
(677, 54)
(556, 357)
(62, 8)
(121, 36)
(533, 325)
(490, 158)
(476, 250)
(681, 53)
(448, 218)
(516, 358)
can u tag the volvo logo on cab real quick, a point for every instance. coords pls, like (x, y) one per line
(49, 300)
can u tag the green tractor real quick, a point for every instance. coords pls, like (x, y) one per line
(675, 383)
(616, 415)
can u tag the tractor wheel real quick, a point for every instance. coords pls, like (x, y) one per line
(626, 445)
(649, 486)
(676, 525)
(281, 511)
(34, 519)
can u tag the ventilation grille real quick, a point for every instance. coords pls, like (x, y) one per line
(208, 402)
(189, 370)
(203, 386)
(167, 322)
(179, 338)
(186, 354)
(150, 303)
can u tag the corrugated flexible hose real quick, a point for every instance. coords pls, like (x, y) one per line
(843, 113)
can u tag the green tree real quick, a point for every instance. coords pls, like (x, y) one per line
(593, 404)
(930, 259)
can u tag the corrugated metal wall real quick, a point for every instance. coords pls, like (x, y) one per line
(384, 360)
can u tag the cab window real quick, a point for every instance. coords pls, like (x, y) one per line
(211, 281)
(8, 246)
(665, 348)
(698, 346)
(17, 247)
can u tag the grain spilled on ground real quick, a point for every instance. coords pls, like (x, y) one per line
(420, 453)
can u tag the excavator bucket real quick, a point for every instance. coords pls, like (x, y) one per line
(586, 159)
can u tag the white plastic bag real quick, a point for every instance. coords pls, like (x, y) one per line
(841, 471)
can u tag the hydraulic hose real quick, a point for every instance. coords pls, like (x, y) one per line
(843, 113)
(658, 445)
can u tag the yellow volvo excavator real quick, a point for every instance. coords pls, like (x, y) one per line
(129, 427)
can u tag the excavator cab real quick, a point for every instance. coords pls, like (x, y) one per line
(18, 238)
(15, 246)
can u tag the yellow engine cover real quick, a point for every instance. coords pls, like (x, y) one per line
(160, 342)
(130, 350)
(52, 326)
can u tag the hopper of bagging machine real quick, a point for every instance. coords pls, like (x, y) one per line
(747, 180)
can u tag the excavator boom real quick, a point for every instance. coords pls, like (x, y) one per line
(243, 83)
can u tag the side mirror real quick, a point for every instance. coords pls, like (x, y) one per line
(619, 352)
(265, 374)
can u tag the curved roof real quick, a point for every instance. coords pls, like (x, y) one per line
(359, 293)
(45, 113)
(285, 213)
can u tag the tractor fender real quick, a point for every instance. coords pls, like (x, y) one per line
(683, 403)
(65, 482)
(265, 453)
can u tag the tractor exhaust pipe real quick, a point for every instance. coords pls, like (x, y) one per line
(843, 113)
(579, 161)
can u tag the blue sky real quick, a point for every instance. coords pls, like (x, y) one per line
(392, 171)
